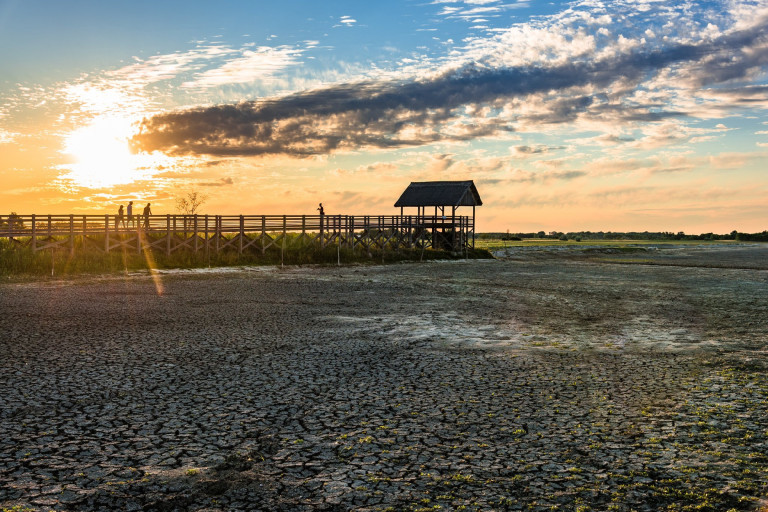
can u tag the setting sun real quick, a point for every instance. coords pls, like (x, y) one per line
(102, 155)
(101, 152)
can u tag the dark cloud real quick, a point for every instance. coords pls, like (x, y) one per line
(220, 183)
(534, 150)
(389, 114)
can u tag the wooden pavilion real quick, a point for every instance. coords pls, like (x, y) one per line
(441, 195)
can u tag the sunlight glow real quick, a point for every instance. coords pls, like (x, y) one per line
(103, 157)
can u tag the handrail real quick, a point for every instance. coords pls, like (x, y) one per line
(50, 225)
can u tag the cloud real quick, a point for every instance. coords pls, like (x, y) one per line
(255, 65)
(220, 183)
(167, 66)
(536, 150)
(7, 137)
(465, 103)
(476, 10)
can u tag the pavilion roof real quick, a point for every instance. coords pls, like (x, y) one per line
(440, 193)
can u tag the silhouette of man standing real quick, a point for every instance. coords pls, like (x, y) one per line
(129, 212)
(147, 213)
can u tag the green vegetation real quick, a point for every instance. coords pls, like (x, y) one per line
(626, 242)
(17, 260)
(17, 508)
(646, 236)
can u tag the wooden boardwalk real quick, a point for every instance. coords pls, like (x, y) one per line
(216, 233)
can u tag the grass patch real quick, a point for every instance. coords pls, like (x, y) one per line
(497, 243)
(18, 261)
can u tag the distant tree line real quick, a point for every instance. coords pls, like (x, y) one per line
(629, 235)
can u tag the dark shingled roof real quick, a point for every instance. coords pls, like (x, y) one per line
(440, 193)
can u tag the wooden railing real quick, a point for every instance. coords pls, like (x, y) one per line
(216, 232)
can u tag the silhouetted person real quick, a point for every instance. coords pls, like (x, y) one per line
(321, 209)
(130, 212)
(147, 213)
(120, 218)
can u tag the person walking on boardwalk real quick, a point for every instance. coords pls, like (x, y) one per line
(147, 213)
(120, 219)
(129, 212)
(321, 209)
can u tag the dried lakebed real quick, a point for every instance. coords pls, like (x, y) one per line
(542, 381)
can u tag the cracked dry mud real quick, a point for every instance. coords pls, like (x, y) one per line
(541, 381)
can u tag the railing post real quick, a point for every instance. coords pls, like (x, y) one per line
(138, 233)
(167, 234)
(194, 229)
(218, 232)
(106, 234)
(263, 233)
(303, 229)
(242, 234)
(34, 234)
(207, 244)
(322, 235)
(352, 232)
(282, 250)
(72, 234)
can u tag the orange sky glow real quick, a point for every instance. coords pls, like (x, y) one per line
(574, 118)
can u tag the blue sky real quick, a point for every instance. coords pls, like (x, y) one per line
(568, 115)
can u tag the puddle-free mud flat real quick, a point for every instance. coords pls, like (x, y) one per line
(538, 382)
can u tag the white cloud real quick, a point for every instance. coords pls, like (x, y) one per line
(260, 64)
(7, 137)
(168, 66)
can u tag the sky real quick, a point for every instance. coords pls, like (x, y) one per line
(568, 116)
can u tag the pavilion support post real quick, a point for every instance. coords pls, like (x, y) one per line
(454, 235)
(434, 228)
(138, 235)
(303, 229)
(409, 232)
